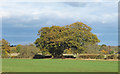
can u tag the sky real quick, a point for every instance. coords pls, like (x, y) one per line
(22, 20)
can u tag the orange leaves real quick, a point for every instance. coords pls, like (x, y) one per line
(105, 52)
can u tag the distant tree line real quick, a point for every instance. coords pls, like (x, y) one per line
(28, 51)
(24, 51)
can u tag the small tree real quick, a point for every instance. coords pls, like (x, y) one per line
(28, 51)
(5, 48)
(92, 49)
(18, 47)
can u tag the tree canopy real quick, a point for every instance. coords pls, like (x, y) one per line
(5, 45)
(56, 39)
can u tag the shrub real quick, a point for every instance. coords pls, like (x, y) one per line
(100, 56)
(88, 56)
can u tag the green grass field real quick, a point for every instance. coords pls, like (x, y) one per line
(57, 65)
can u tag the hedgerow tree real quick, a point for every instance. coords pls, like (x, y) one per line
(5, 45)
(56, 39)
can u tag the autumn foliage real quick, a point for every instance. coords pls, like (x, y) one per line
(56, 39)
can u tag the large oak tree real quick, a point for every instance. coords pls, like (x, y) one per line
(56, 39)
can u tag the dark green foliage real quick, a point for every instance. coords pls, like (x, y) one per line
(111, 52)
(103, 45)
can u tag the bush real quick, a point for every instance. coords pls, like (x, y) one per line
(112, 57)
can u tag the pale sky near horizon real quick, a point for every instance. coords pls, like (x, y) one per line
(22, 20)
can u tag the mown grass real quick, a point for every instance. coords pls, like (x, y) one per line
(58, 65)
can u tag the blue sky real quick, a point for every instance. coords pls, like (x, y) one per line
(22, 20)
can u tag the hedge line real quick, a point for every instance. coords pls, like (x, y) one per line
(97, 56)
(80, 56)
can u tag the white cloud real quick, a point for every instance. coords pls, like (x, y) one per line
(55, 12)
(19, 9)
(108, 18)
(4, 14)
